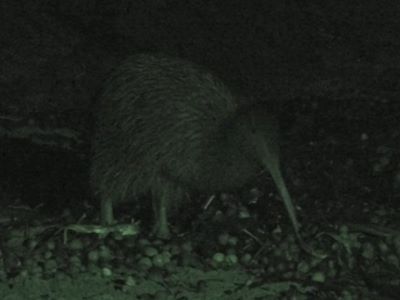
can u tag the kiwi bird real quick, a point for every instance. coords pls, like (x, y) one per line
(166, 126)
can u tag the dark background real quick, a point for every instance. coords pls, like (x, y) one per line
(54, 54)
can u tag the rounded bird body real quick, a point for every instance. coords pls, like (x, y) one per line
(167, 126)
